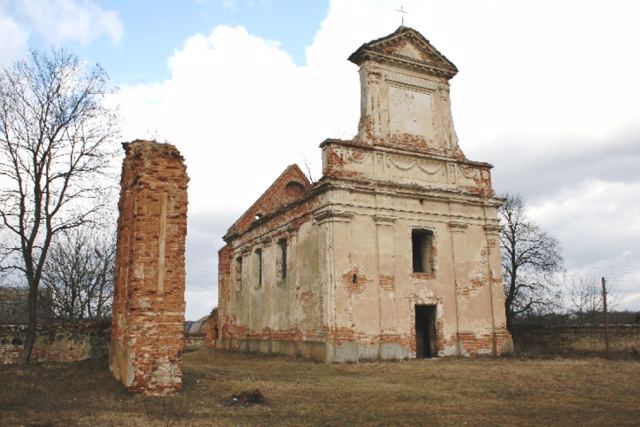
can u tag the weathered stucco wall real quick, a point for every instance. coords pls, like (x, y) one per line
(353, 290)
(376, 289)
(350, 291)
(278, 310)
(148, 308)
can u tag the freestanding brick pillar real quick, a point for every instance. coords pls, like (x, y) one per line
(148, 307)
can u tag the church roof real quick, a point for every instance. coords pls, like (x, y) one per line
(291, 186)
(406, 48)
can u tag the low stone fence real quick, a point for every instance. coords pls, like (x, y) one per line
(57, 342)
(624, 340)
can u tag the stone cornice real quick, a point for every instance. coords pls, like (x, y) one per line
(458, 226)
(265, 241)
(400, 151)
(404, 62)
(492, 229)
(329, 214)
(391, 188)
(381, 50)
(384, 220)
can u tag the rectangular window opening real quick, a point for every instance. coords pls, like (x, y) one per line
(258, 257)
(282, 259)
(422, 247)
(238, 273)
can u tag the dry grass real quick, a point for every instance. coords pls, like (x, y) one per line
(433, 392)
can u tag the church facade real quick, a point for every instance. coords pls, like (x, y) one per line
(393, 253)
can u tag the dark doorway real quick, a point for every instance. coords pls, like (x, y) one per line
(426, 331)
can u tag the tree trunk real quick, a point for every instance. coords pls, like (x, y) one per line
(509, 316)
(32, 312)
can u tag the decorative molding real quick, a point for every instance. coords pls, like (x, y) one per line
(378, 164)
(351, 154)
(389, 50)
(390, 161)
(384, 220)
(265, 241)
(408, 63)
(451, 173)
(410, 87)
(492, 229)
(404, 151)
(458, 227)
(355, 156)
(329, 215)
(470, 172)
(423, 168)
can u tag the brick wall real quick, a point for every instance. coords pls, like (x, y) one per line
(577, 340)
(148, 308)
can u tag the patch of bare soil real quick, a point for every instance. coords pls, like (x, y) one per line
(436, 392)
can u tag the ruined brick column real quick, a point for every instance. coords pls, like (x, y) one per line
(147, 336)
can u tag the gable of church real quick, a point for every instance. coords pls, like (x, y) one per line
(291, 186)
(406, 48)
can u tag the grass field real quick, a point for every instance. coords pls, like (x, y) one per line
(418, 392)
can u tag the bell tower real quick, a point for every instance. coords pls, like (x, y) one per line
(405, 95)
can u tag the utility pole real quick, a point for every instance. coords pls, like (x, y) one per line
(606, 317)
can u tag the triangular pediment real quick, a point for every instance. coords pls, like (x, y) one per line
(291, 186)
(407, 48)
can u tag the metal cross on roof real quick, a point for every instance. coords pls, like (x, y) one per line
(402, 13)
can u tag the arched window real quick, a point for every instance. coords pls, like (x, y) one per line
(293, 191)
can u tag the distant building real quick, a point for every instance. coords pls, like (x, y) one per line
(393, 253)
(202, 332)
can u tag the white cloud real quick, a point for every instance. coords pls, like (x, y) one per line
(538, 82)
(240, 110)
(13, 40)
(598, 223)
(77, 20)
(199, 302)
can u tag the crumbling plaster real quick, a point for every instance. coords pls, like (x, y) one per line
(351, 291)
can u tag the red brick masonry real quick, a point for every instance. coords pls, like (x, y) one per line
(148, 309)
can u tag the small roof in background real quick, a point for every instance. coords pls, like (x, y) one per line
(195, 327)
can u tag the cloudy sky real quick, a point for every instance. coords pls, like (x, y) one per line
(547, 91)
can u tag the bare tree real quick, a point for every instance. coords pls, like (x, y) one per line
(79, 275)
(585, 298)
(530, 259)
(55, 146)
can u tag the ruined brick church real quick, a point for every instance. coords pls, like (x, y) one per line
(393, 253)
